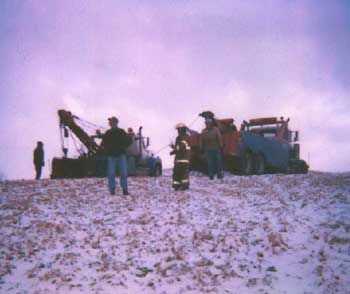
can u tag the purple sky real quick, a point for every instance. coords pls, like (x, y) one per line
(156, 63)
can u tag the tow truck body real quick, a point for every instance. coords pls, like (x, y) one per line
(92, 162)
(262, 145)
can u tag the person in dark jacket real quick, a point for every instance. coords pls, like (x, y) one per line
(115, 142)
(38, 159)
(182, 152)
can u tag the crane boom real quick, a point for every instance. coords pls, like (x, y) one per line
(67, 120)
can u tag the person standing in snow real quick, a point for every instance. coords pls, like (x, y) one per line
(132, 152)
(182, 152)
(38, 159)
(115, 142)
(211, 143)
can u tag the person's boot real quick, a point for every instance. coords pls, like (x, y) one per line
(112, 192)
(125, 192)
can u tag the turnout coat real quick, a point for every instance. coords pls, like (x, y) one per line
(182, 152)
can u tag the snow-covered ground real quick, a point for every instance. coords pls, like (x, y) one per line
(258, 234)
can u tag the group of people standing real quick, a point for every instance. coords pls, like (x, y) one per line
(210, 143)
(116, 141)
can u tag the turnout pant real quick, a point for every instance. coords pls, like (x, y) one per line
(181, 174)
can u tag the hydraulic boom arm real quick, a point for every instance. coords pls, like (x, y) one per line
(67, 120)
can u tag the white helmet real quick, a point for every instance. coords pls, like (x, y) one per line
(180, 126)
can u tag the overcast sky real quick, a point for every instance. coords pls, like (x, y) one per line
(156, 63)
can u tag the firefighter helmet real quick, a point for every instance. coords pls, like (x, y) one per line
(180, 126)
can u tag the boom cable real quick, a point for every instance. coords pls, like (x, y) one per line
(90, 124)
(75, 143)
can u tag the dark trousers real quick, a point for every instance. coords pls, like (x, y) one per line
(38, 169)
(214, 163)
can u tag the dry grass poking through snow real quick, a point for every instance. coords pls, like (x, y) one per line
(266, 234)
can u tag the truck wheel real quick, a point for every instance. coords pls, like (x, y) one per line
(158, 171)
(289, 170)
(301, 167)
(247, 164)
(234, 165)
(260, 164)
(304, 167)
(297, 167)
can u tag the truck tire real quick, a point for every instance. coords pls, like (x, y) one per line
(304, 167)
(260, 164)
(233, 164)
(158, 170)
(297, 166)
(247, 164)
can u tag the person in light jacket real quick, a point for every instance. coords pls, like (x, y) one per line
(211, 143)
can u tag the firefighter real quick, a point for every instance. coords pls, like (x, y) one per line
(182, 152)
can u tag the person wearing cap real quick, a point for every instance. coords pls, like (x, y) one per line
(211, 143)
(182, 152)
(115, 142)
(132, 152)
(38, 159)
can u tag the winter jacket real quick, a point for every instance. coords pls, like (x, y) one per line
(211, 139)
(115, 142)
(38, 156)
(182, 150)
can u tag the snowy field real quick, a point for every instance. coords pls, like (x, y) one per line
(258, 234)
